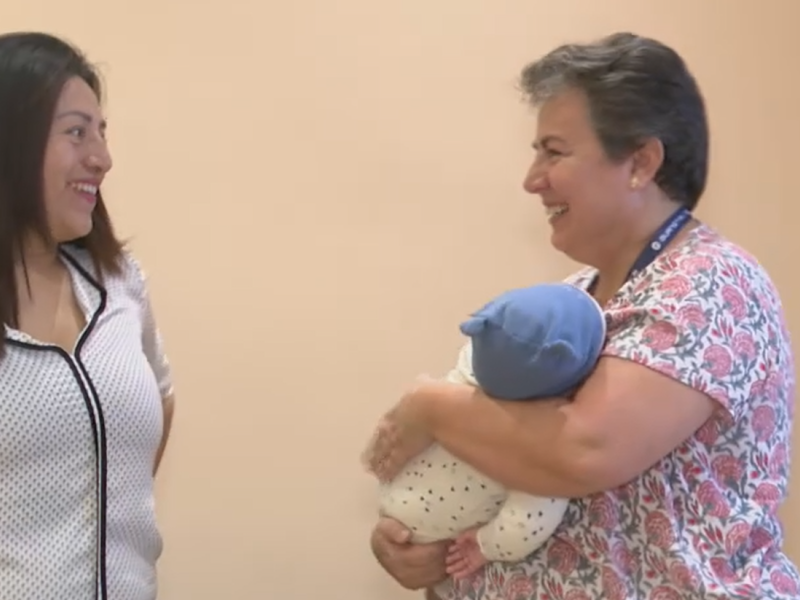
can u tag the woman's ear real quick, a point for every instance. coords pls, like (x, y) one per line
(647, 160)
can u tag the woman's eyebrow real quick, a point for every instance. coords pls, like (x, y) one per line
(547, 140)
(82, 115)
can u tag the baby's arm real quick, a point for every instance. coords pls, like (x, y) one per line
(462, 371)
(523, 524)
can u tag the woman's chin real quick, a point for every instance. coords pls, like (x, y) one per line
(74, 232)
(560, 239)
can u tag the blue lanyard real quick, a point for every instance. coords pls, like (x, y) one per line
(665, 234)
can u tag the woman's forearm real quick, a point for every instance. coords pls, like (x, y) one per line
(529, 446)
(168, 409)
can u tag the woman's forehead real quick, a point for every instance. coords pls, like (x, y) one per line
(76, 93)
(564, 116)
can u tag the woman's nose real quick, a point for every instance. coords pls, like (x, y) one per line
(535, 181)
(99, 160)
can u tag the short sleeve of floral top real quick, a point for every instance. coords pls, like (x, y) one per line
(702, 523)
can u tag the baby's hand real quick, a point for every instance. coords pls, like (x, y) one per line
(464, 556)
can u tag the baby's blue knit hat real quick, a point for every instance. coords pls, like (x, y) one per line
(536, 341)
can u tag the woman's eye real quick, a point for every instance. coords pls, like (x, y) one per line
(77, 132)
(553, 153)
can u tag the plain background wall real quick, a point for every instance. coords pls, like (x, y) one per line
(320, 191)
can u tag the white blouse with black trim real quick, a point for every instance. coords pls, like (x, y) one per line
(79, 434)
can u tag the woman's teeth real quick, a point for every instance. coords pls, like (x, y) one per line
(555, 211)
(87, 188)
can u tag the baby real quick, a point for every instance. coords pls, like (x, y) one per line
(535, 342)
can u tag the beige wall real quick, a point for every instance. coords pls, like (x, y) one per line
(319, 190)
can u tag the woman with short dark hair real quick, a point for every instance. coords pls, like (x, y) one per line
(674, 452)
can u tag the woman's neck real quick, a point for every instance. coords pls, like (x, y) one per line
(37, 256)
(615, 263)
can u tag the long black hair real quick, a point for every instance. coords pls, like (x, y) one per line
(34, 67)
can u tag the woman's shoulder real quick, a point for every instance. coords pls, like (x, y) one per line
(706, 245)
(707, 269)
(710, 267)
(130, 274)
(707, 279)
(705, 313)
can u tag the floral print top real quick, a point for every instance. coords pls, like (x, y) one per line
(702, 523)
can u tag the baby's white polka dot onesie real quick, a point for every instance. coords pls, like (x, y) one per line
(438, 496)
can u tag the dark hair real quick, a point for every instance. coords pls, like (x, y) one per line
(34, 67)
(636, 88)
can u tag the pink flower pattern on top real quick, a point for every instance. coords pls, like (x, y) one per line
(702, 523)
